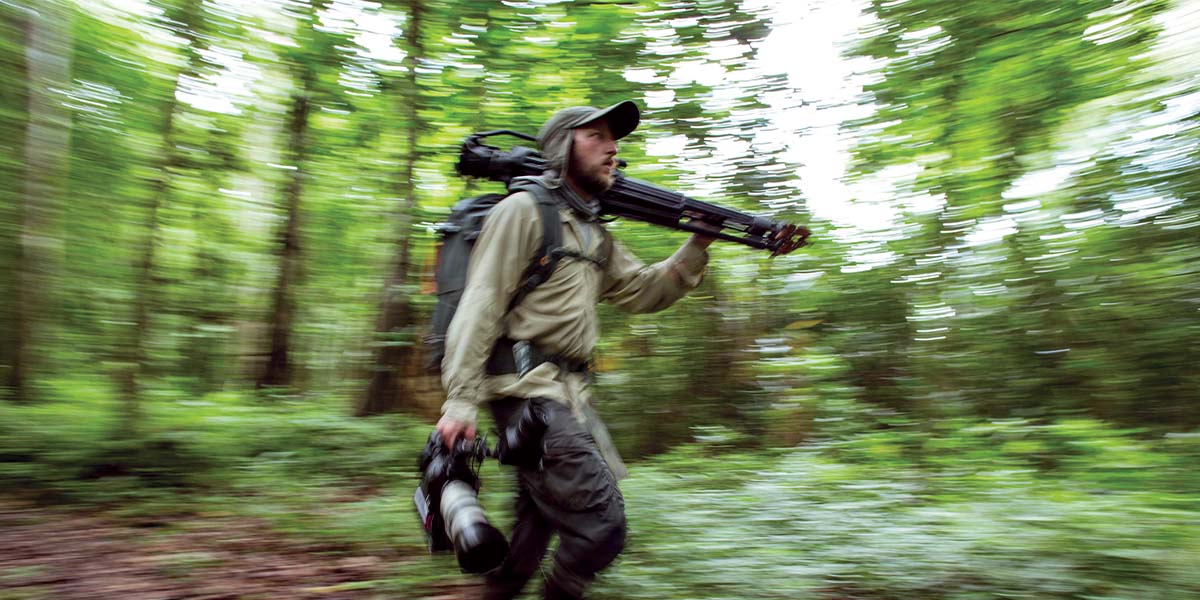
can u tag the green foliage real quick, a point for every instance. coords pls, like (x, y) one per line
(190, 444)
(968, 510)
(1001, 299)
(960, 508)
(992, 396)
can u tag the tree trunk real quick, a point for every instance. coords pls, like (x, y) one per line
(205, 352)
(47, 139)
(394, 354)
(136, 353)
(279, 369)
(145, 293)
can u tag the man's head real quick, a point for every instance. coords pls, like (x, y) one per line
(580, 143)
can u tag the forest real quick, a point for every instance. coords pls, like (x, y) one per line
(218, 232)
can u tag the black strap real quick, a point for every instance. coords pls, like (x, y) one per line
(601, 259)
(546, 258)
(606, 248)
(502, 362)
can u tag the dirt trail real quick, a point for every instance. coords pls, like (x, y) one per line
(48, 554)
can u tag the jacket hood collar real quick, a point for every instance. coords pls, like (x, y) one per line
(588, 210)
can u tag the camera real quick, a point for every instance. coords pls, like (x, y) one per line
(521, 441)
(448, 505)
(447, 496)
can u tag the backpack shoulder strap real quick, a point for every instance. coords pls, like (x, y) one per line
(606, 245)
(547, 256)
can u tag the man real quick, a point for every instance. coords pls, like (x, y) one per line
(572, 490)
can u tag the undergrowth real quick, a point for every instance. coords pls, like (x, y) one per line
(959, 509)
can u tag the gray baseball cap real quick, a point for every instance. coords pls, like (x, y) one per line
(554, 139)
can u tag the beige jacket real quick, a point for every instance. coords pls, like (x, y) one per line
(559, 316)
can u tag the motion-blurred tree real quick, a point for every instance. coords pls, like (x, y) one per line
(186, 20)
(395, 350)
(979, 99)
(313, 64)
(48, 46)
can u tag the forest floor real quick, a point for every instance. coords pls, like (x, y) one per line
(56, 554)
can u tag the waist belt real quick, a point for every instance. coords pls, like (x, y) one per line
(512, 356)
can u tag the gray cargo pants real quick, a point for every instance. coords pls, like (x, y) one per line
(573, 494)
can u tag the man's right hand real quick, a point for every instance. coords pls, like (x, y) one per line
(451, 430)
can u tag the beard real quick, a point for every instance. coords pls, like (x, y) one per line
(594, 182)
(594, 185)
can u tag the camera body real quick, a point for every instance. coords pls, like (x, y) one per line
(521, 440)
(447, 503)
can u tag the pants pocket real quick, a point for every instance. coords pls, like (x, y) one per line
(576, 479)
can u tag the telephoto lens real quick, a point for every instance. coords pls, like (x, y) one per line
(448, 505)
(479, 546)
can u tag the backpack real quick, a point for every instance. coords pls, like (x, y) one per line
(458, 236)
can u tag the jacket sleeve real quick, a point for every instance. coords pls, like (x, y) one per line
(506, 245)
(635, 287)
